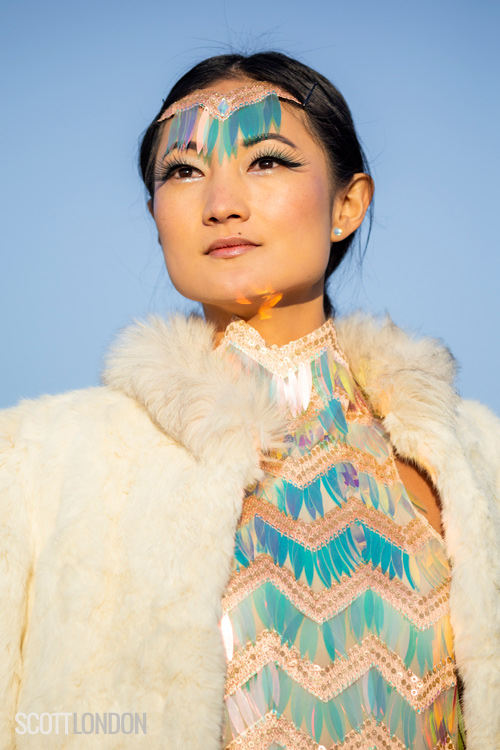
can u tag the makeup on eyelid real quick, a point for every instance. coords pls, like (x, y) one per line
(246, 143)
(173, 164)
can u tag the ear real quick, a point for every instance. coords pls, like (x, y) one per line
(351, 205)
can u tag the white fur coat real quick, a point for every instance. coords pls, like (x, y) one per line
(113, 499)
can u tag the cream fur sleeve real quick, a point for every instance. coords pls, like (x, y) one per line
(481, 437)
(16, 556)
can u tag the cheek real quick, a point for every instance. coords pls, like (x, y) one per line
(176, 231)
(299, 216)
(172, 216)
(300, 204)
(175, 222)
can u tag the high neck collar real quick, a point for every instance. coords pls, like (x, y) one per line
(169, 368)
(281, 359)
(296, 372)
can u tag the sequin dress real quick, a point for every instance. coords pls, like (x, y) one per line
(336, 617)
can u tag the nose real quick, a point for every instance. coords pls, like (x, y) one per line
(226, 198)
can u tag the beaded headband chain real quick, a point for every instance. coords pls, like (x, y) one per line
(250, 110)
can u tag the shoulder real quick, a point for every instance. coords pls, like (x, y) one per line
(376, 346)
(58, 419)
(398, 370)
(409, 381)
(163, 383)
(480, 418)
(384, 357)
(170, 368)
(480, 435)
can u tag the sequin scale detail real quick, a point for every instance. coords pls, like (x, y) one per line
(206, 118)
(336, 617)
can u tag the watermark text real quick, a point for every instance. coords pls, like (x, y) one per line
(72, 723)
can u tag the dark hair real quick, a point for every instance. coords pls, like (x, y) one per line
(327, 112)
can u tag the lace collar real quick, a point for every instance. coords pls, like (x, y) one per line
(281, 360)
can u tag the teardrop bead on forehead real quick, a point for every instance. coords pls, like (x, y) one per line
(336, 617)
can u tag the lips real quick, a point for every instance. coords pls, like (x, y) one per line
(230, 247)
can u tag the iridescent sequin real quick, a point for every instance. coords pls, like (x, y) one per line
(207, 117)
(336, 619)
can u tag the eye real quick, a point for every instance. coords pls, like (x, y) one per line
(174, 169)
(184, 172)
(266, 162)
(272, 159)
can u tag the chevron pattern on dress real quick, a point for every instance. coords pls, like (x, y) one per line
(302, 471)
(317, 533)
(325, 683)
(336, 616)
(320, 606)
(344, 553)
(278, 733)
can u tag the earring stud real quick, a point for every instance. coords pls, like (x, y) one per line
(337, 231)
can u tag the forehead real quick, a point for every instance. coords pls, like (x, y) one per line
(227, 114)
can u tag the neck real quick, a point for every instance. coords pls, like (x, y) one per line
(277, 325)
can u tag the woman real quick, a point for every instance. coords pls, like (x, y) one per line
(239, 535)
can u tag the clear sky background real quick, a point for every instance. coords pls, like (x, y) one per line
(82, 80)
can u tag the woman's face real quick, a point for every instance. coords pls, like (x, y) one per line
(238, 234)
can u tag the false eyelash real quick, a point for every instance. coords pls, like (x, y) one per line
(163, 171)
(282, 156)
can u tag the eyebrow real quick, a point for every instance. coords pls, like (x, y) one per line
(274, 136)
(247, 143)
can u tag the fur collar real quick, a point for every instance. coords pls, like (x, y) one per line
(408, 382)
(170, 370)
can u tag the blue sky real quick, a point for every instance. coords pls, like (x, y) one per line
(82, 80)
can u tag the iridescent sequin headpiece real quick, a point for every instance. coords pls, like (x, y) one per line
(250, 110)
